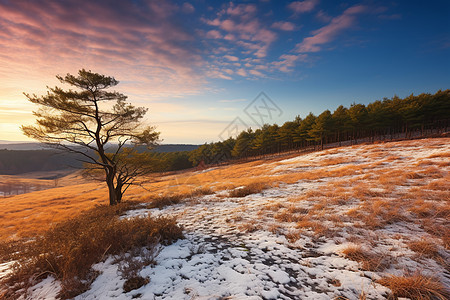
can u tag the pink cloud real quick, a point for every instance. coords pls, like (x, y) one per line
(286, 26)
(230, 37)
(241, 9)
(241, 72)
(228, 25)
(329, 32)
(231, 58)
(288, 61)
(140, 44)
(300, 7)
(256, 73)
(213, 34)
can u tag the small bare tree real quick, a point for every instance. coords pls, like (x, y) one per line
(84, 121)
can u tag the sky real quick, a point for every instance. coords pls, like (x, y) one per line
(209, 69)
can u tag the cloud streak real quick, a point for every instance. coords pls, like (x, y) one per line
(300, 7)
(330, 32)
(282, 25)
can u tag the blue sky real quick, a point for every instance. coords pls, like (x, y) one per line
(197, 65)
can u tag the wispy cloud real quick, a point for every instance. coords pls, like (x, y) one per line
(288, 61)
(329, 32)
(323, 16)
(300, 7)
(231, 57)
(188, 8)
(282, 25)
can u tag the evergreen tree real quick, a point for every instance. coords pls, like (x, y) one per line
(80, 121)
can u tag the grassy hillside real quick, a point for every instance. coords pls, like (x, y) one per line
(376, 171)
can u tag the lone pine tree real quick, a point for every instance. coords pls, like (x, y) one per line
(97, 124)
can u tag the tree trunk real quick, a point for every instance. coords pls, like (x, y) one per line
(118, 195)
(118, 190)
(111, 189)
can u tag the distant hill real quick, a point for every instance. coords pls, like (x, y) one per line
(19, 158)
(21, 146)
(13, 162)
(38, 146)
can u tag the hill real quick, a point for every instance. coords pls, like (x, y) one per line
(34, 157)
(366, 221)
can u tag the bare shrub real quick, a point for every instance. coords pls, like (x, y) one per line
(69, 249)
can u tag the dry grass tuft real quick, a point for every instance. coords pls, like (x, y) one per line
(250, 226)
(316, 226)
(415, 287)
(432, 172)
(440, 155)
(368, 260)
(423, 209)
(252, 188)
(414, 175)
(292, 236)
(167, 200)
(163, 201)
(378, 213)
(425, 248)
(286, 216)
(274, 206)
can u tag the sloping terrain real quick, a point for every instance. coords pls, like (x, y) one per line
(352, 222)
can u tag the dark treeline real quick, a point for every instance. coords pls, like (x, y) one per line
(392, 118)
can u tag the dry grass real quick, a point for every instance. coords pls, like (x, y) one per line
(440, 155)
(286, 216)
(167, 200)
(69, 249)
(368, 260)
(252, 188)
(425, 248)
(250, 226)
(293, 235)
(336, 161)
(316, 226)
(432, 172)
(415, 287)
(273, 206)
